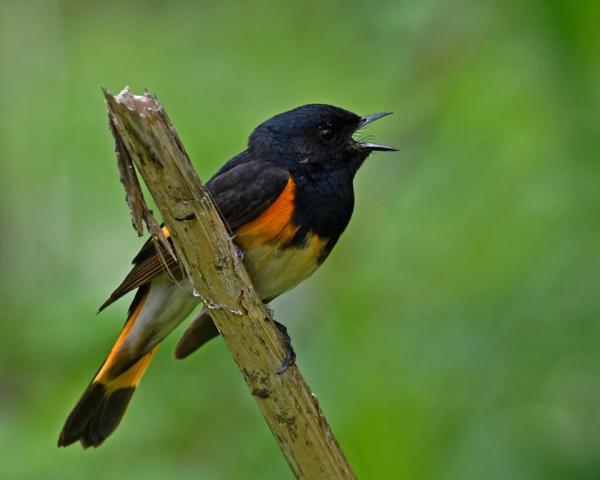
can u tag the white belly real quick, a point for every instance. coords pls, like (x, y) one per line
(165, 307)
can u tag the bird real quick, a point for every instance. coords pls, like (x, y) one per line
(287, 198)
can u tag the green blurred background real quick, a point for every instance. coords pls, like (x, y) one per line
(453, 333)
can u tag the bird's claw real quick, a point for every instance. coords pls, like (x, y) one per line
(290, 356)
(239, 254)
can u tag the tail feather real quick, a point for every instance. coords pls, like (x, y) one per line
(102, 405)
(201, 330)
(96, 415)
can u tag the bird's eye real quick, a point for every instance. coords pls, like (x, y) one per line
(327, 134)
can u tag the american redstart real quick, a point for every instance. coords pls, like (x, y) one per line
(287, 199)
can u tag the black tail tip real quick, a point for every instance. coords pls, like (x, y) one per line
(96, 416)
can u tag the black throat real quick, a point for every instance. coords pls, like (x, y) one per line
(324, 201)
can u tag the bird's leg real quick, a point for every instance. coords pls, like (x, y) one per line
(239, 253)
(290, 355)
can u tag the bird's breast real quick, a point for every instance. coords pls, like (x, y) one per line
(276, 268)
(287, 242)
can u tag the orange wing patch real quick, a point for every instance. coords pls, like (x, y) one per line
(274, 225)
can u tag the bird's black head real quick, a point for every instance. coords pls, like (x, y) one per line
(317, 136)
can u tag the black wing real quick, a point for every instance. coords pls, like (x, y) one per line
(245, 191)
(241, 193)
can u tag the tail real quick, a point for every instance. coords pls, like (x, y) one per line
(201, 330)
(102, 405)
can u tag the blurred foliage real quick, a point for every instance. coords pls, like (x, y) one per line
(452, 334)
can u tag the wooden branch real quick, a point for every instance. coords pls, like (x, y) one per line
(143, 131)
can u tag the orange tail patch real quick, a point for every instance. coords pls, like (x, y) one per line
(102, 405)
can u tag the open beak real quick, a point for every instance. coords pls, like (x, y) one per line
(366, 120)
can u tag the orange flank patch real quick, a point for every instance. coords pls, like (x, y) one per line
(132, 376)
(274, 225)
